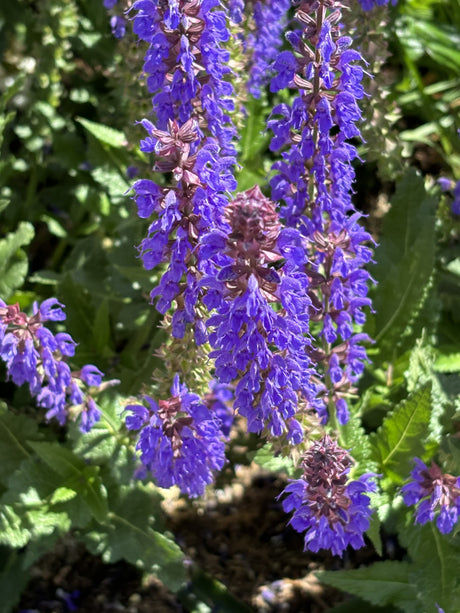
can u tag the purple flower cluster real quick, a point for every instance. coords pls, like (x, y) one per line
(192, 138)
(180, 440)
(36, 356)
(260, 347)
(186, 65)
(435, 495)
(314, 179)
(332, 510)
(261, 37)
(182, 214)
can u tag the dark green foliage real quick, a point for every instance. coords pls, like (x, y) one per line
(402, 435)
(404, 264)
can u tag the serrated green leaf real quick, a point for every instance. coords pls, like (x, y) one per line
(448, 362)
(104, 134)
(405, 260)
(62, 494)
(383, 583)
(129, 536)
(420, 372)
(353, 437)
(402, 434)
(76, 475)
(13, 260)
(436, 560)
(12, 532)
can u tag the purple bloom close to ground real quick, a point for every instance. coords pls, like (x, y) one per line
(180, 440)
(435, 495)
(332, 510)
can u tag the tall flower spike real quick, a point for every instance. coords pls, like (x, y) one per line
(36, 356)
(333, 511)
(314, 179)
(260, 348)
(435, 494)
(192, 137)
(180, 440)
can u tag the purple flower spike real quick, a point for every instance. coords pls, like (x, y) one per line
(314, 181)
(333, 511)
(435, 494)
(180, 441)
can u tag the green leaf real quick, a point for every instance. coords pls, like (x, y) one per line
(104, 133)
(383, 583)
(12, 531)
(373, 533)
(353, 437)
(402, 435)
(216, 593)
(448, 362)
(405, 260)
(361, 606)
(436, 560)
(277, 463)
(14, 576)
(128, 535)
(420, 372)
(76, 475)
(15, 431)
(101, 329)
(253, 138)
(13, 260)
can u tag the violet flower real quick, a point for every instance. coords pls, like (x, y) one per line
(435, 494)
(314, 179)
(36, 356)
(180, 440)
(260, 348)
(192, 137)
(331, 509)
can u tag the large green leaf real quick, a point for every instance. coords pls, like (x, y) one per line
(383, 583)
(13, 260)
(76, 475)
(436, 560)
(405, 260)
(129, 535)
(402, 435)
